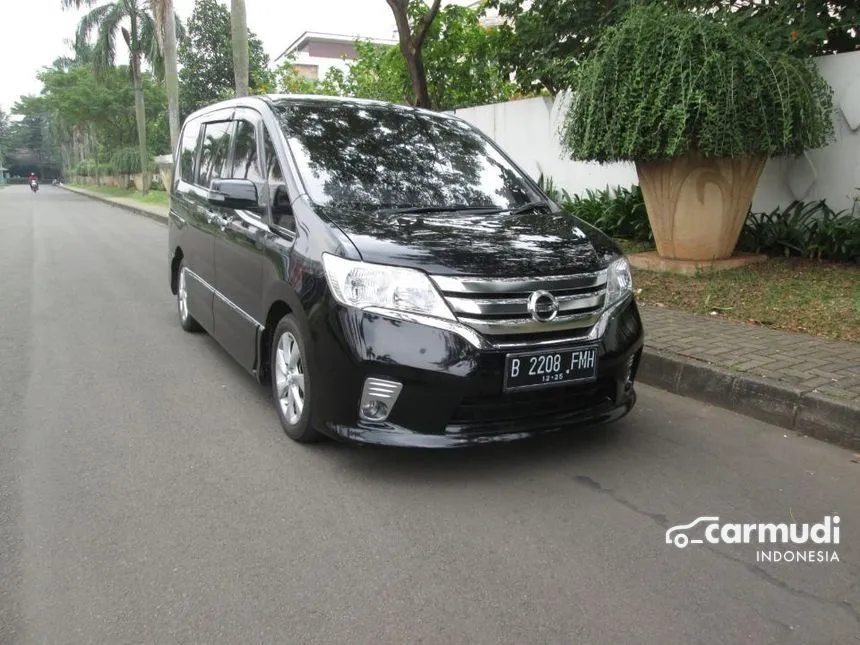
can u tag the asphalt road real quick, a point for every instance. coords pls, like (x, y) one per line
(147, 494)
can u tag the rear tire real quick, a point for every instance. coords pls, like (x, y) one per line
(291, 382)
(186, 320)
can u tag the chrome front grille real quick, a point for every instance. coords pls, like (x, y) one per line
(500, 306)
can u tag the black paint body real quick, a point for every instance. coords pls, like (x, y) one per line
(250, 270)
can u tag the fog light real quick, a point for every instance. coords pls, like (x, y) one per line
(378, 399)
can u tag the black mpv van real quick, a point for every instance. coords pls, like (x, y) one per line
(394, 276)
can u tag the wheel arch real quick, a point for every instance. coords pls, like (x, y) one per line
(282, 301)
(174, 268)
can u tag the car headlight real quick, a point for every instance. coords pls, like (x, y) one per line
(619, 281)
(364, 285)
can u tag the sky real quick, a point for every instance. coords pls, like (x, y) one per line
(32, 32)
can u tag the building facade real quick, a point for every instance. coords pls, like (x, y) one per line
(316, 52)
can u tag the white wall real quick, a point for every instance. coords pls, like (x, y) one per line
(528, 131)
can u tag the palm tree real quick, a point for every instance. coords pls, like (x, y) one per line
(140, 37)
(166, 23)
(239, 29)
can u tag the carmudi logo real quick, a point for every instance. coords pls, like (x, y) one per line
(820, 538)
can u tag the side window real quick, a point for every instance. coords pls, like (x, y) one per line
(213, 154)
(274, 173)
(282, 212)
(188, 151)
(246, 160)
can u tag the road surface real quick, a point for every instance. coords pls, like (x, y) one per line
(147, 494)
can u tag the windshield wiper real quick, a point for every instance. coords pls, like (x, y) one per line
(530, 206)
(438, 209)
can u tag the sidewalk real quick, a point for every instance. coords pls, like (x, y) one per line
(153, 211)
(800, 382)
(795, 381)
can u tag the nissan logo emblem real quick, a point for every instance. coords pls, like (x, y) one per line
(543, 306)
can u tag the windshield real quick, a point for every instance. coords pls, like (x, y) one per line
(392, 157)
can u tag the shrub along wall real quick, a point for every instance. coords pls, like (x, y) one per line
(803, 229)
(121, 170)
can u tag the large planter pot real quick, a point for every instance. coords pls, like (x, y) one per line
(697, 205)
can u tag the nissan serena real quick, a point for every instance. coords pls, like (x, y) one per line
(394, 276)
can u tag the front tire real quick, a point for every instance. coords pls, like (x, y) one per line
(186, 320)
(291, 382)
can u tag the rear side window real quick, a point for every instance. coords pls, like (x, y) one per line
(214, 152)
(188, 151)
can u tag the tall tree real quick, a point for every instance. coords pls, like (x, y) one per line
(206, 57)
(461, 61)
(4, 136)
(166, 31)
(108, 19)
(809, 28)
(30, 140)
(546, 40)
(411, 42)
(239, 31)
(90, 117)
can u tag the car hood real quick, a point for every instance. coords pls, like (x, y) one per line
(489, 245)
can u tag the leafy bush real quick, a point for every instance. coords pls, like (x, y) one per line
(547, 185)
(664, 82)
(87, 168)
(618, 212)
(126, 161)
(809, 230)
(803, 229)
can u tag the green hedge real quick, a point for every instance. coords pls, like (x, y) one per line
(125, 161)
(803, 229)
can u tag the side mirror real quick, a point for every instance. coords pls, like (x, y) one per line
(233, 193)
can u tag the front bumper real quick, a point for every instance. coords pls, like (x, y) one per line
(452, 391)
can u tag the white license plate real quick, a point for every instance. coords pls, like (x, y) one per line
(546, 368)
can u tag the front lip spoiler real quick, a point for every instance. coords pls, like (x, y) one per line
(389, 434)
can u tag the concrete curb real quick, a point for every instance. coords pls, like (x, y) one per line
(137, 210)
(804, 411)
(775, 402)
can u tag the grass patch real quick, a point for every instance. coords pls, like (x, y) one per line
(154, 197)
(814, 297)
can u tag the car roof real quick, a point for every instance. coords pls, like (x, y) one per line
(281, 100)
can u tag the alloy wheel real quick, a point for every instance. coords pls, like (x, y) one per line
(290, 378)
(182, 296)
